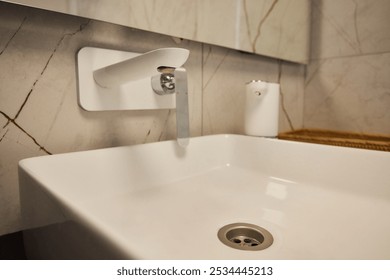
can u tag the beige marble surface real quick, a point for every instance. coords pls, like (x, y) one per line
(349, 94)
(349, 28)
(347, 81)
(39, 113)
(275, 28)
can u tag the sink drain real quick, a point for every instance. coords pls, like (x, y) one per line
(245, 237)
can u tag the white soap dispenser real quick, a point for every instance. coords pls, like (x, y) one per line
(262, 108)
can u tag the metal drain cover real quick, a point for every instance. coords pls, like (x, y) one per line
(244, 236)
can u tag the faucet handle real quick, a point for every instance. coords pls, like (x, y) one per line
(182, 113)
(174, 80)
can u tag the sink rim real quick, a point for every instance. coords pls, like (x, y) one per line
(72, 206)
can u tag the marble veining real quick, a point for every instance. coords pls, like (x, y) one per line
(259, 25)
(349, 94)
(347, 86)
(248, 25)
(348, 28)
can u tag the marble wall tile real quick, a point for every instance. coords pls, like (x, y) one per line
(39, 113)
(349, 94)
(291, 79)
(350, 27)
(20, 33)
(276, 28)
(347, 85)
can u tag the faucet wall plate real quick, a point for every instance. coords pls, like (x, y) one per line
(133, 95)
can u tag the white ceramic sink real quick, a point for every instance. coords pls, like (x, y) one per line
(161, 201)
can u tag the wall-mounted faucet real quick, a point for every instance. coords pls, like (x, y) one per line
(116, 80)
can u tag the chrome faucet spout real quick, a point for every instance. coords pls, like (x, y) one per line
(174, 80)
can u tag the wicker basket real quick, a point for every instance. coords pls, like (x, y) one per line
(345, 139)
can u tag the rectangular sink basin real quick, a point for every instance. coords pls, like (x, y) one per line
(161, 201)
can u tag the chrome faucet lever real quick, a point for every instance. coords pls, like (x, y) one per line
(165, 82)
(174, 80)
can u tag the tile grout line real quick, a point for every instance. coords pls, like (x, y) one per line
(282, 96)
(216, 70)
